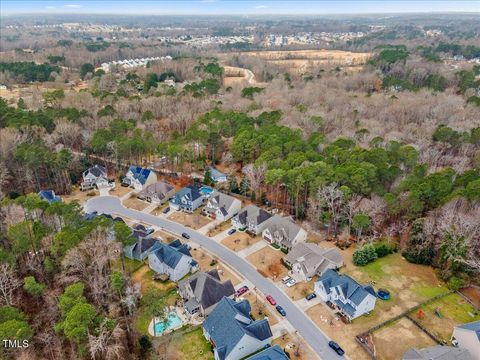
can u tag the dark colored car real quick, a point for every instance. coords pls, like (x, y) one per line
(241, 291)
(166, 210)
(281, 310)
(185, 235)
(311, 296)
(231, 231)
(336, 347)
(383, 294)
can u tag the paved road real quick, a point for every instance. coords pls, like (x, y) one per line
(310, 332)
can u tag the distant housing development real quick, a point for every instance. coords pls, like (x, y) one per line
(133, 63)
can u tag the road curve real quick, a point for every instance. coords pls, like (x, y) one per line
(306, 328)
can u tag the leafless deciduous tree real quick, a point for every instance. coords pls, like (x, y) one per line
(108, 344)
(9, 282)
(256, 176)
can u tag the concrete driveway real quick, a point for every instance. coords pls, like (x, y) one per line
(295, 316)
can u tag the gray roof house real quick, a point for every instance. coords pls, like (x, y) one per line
(307, 260)
(94, 176)
(283, 232)
(141, 248)
(202, 291)
(251, 218)
(49, 196)
(348, 296)
(216, 175)
(272, 353)
(221, 206)
(160, 192)
(187, 199)
(173, 260)
(438, 352)
(233, 333)
(467, 336)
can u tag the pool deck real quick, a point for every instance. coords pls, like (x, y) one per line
(179, 313)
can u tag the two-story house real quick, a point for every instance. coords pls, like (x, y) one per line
(348, 296)
(95, 176)
(467, 336)
(187, 199)
(252, 219)
(221, 206)
(49, 196)
(139, 178)
(173, 260)
(141, 248)
(216, 175)
(158, 193)
(283, 232)
(202, 292)
(233, 333)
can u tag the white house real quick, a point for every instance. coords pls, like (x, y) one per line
(283, 232)
(348, 296)
(467, 336)
(94, 176)
(216, 175)
(233, 333)
(173, 260)
(139, 178)
(221, 206)
(252, 219)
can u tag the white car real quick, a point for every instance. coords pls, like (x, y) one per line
(291, 282)
(286, 279)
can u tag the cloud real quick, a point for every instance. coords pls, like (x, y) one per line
(72, 6)
(50, 7)
(261, 7)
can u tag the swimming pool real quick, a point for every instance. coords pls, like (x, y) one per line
(206, 190)
(173, 322)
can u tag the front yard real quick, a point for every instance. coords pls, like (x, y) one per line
(240, 240)
(295, 347)
(80, 196)
(195, 220)
(119, 190)
(217, 229)
(267, 261)
(133, 203)
(207, 263)
(260, 307)
(301, 289)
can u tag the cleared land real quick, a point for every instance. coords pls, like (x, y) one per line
(189, 344)
(267, 261)
(194, 221)
(240, 240)
(80, 196)
(134, 203)
(205, 262)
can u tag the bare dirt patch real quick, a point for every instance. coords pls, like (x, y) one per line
(260, 308)
(194, 221)
(80, 196)
(473, 294)
(133, 203)
(301, 289)
(207, 263)
(119, 190)
(267, 261)
(240, 240)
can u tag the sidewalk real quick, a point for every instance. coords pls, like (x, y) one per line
(251, 249)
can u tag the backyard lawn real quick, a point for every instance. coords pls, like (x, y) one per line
(195, 221)
(189, 345)
(267, 261)
(144, 276)
(240, 240)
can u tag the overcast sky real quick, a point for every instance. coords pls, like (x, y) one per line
(232, 7)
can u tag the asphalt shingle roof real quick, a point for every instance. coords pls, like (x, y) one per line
(172, 253)
(437, 353)
(141, 174)
(272, 353)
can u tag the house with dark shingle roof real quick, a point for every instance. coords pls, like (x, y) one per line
(141, 248)
(467, 336)
(222, 206)
(202, 292)
(94, 176)
(139, 178)
(233, 333)
(49, 196)
(187, 199)
(347, 295)
(271, 353)
(173, 260)
(251, 218)
(283, 232)
(437, 352)
(216, 175)
(159, 193)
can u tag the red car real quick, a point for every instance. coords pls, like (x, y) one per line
(271, 300)
(241, 291)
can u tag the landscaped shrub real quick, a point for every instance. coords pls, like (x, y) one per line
(455, 283)
(284, 250)
(383, 248)
(276, 246)
(364, 255)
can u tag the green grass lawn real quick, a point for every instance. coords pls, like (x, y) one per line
(192, 345)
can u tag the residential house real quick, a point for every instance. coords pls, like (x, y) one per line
(173, 260)
(233, 333)
(94, 176)
(251, 218)
(141, 248)
(187, 199)
(348, 296)
(272, 353)
(467, 336)
(283, 232)
(307, 260)
(216, 175)
(221, 206)
(139, 178)
(49, 196)
(159, 193)
(202, 292)
(437, 352)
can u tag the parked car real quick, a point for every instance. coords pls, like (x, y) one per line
(241, 291)
(383, 294)
(291, 282)
(185, 235)
(281, 310)
(271, 300)
(311, 296)
(231, 231)
(286, 279)
(166, 210)
(336, 347)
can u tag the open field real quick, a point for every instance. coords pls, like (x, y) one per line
(295, 351)
(392, 341)
(240, 240)
(119, 190)
(205, 263)
(268, 262)
(194, 221)
(133, 203)
(80, 196)
(260, 307)
(186, 345)
(453, 309)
